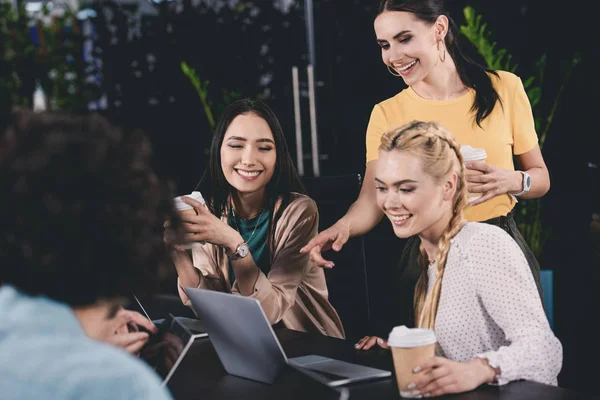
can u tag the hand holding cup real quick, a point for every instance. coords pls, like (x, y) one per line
(410, 349)
(202, 226)
(473, 155)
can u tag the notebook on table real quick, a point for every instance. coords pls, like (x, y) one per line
(193, 324)
(166, 349)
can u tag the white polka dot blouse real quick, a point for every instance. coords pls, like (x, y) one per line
(490, 308)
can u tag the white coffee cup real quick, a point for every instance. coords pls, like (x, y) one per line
(473, 154)
(410, 348)
(184, 208)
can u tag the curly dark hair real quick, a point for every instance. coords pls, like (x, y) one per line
(81, 209)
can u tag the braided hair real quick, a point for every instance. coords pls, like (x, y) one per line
(440, 156)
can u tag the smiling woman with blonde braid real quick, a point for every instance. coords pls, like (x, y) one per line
(475, 289)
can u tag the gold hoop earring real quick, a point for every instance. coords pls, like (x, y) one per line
(442, 58)
(392, 71)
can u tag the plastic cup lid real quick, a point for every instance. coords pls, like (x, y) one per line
(471, 154)
(401, 336)
(181, 206)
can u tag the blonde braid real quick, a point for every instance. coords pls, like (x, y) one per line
(441, 156)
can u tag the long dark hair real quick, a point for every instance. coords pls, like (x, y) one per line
(285, 180)
(472, 74)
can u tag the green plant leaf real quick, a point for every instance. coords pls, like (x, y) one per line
(201, 89)
(534, 94)
(528, 82)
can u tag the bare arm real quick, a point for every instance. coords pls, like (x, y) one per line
(533, 163)
(362, 216)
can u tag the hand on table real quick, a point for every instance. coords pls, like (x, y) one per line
(369, 341)
(439, 376)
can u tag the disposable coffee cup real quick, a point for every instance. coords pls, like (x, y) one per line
(473, 154)
(184, 208)
(410, 348)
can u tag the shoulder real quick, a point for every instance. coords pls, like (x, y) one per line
(485, 241)
(106, 369)
(78, 367)
(300, 207)
(489, 250)
(505, 81)
(300, 217)
(476, 234)
(391, 102)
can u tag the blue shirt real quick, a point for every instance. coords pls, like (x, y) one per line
(45, 354)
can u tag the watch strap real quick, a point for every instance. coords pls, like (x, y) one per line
(526, 187)
(236, 254)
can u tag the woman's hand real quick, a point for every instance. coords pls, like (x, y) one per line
(333, 237)
(369, 341)
(491, 181)
(440, 376)
(205, 227)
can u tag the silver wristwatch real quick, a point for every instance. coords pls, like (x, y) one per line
(526, 184)
(240, 252)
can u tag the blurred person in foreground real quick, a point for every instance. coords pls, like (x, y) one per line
(81, 212)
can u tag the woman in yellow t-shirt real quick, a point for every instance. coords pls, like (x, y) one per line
(481, 108)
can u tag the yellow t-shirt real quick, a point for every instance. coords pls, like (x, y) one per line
(508, 130)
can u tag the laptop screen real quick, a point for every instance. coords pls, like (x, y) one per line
(165, 349)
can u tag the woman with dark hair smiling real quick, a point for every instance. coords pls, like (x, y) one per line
(252, 247)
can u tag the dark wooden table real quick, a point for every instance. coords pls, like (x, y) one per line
(201, 376)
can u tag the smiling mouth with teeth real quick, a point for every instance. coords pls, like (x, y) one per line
(406, 67)
(248, 174)
(399, 218)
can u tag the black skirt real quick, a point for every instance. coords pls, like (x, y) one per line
(408, 271)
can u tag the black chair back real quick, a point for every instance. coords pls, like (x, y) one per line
(347, 281)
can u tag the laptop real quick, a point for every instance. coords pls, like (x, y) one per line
(247, 346)
(165, 349)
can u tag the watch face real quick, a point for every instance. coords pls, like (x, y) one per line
(243, 250)
(527, 183)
